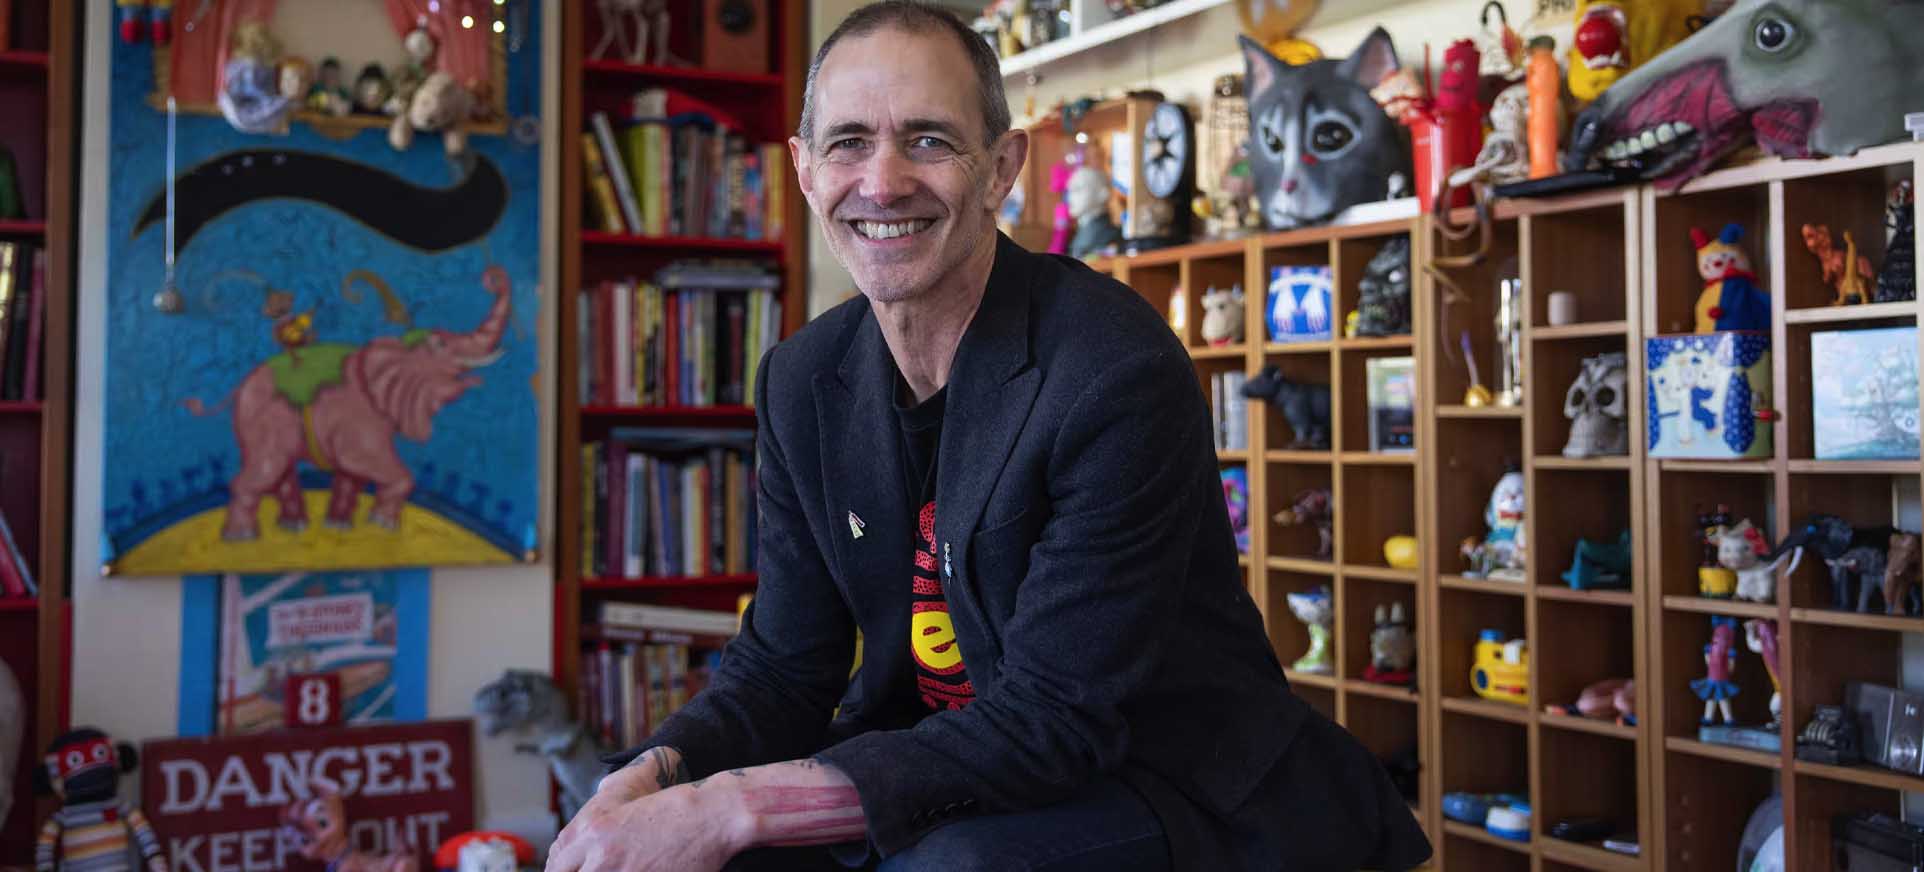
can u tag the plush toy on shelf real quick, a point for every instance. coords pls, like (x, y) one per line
(1314, 608)
(317, 829)
(1730, 299)
(1303, 405)
(437, 105)
(1392, 648)
(1500, 555)
(252, 97)
(93, 829)
(1741, 548)
(1311, 506)
(1717, 688)
(1222, 321)
(372, 90)
(328, 95)
(1847, 272)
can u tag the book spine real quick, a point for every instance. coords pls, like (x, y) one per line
(671, 354)
(640, 171)
(610, 693)
(627, 699)
(737, 312)
(611, 159)
(11, 254)
(691, 520)
(712, 495)
(634, 533)
(601, 511)
(623, 348)
(754, 205)
(774, 191)
(588, 471)
(36, 318)
(614, 507)
(605, 387)
(637, 359)
(602, 205)
(657, 686)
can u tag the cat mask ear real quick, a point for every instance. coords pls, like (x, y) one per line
(1373, 60)
(1259, 66)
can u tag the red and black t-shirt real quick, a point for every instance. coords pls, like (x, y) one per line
(941, 682)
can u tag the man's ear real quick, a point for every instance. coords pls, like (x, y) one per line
(1009, 154)
(798, 153)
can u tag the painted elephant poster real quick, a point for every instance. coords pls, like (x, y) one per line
(352, 380)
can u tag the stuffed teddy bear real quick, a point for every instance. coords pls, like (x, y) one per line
(438, 105)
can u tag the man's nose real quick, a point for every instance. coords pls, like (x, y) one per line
(888, 176)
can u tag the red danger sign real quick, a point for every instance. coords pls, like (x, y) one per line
(215, 802)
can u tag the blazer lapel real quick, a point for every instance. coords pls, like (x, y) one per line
(862, 479)
(991, 388)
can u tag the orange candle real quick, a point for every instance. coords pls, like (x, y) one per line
(1544, 85)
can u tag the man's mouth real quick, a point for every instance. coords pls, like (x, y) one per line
(884, 230)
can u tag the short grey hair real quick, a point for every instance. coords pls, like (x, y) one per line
(915, 17)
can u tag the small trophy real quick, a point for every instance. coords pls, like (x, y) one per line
(1509, 343)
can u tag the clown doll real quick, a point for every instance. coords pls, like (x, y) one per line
(93, 828)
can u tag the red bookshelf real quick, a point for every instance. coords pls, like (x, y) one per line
(685, 244)
(38, 100)
(764, 108)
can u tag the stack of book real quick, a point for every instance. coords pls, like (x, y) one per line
(668, 502)
(22, 299)
(693, 336)
(646, 663)
(1229, 410)
(674, 167)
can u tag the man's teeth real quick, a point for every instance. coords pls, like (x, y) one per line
(1648, 139)
(891, 229)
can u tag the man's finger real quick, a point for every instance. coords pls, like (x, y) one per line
(564, 858)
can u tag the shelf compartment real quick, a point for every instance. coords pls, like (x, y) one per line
(1289, 637)
(1378, 458)
(1619, 598)
(1461, 616)
(1601, 284)
(1586, 644)
(1857, 467)
(1390, 692)
(1586, 775)
(1862, 500)
(1375, 503)
(1899, 311)
(1359, 599)
(1593, 726)
(1726, 753)
(1824, 659)
(1305, 457)
(1471, 454)
(1219, 352)
(1486, 709)
(1580, 330)
(1676, 280)
(1570, 505)
(1303, 565)
(1717, 467)
(1316, 347)
(1677, 500)
(1309, 679)
(1290, 485)
(1377, 343)
(1484, 585)
(1462, 411)
(668, 582)
(1279, 435)
(1866, 775)
(1580, 464)
(1590, 857)
(1380, 573)
(1704, 799)
(1479, 834)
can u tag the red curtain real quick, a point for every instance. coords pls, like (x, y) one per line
(464, 51)
(199, 50)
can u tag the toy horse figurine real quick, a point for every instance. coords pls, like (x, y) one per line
(1311, 506)
(1900, 575)
(1846, 271)
(1716, 688)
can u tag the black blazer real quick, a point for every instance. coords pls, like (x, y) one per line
(1091, 576)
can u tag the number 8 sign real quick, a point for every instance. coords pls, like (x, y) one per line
(313, 700)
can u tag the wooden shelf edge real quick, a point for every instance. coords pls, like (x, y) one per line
(1583, 330)
(1377, 343)
(1484, 585)
(1747, 467)
(22, 227)
(1558, 461)
(1320, 347)
(20, 605)
(1310, 679)
(1589, 856)
(1462, 411)
(1495, 711)
(1219, 352)
(1725, 753)
(1858, 620)
(1293, 456)
(1622, 598)
(1232, 455)
(39, 59)
(1301, 564)
(1593, 726)
(669, 582)
(1380, 573)
(1479, 834)
(1390, 692)
(1865, 312)
(1864, 774)
(1377, 458)
(686, 74)
(1858, 467)
(1708, 606)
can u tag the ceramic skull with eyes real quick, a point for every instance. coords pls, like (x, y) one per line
(1596, 408)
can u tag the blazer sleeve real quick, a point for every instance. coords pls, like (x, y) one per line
(779, 680)
(1126, 490)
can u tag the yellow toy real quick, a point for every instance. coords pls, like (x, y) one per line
(1614, 37)
(1730, 299)
(1502, 669)
(1400, 552)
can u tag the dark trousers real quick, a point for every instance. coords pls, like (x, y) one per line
(1105, 828)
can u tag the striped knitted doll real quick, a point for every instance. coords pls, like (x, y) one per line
(93, 829)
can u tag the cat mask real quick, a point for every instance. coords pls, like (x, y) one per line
(1318, 142)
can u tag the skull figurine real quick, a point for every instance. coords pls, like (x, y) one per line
(1595, 407)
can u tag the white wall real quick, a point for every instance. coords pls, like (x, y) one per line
(127, 632)
(1182, 59)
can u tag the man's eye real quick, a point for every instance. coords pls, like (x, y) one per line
(928, 142)
(844, 144)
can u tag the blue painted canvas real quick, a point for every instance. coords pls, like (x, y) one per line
(353, 381)
(1299, 303)
(1703, 394)
(1863, 392)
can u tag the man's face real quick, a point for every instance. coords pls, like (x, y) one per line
(898, 172)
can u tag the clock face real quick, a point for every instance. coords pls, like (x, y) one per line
(1166, 150)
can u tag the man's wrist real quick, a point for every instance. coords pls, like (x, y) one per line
(725, 802)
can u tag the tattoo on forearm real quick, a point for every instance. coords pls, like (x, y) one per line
(665, 776)
(801, 800)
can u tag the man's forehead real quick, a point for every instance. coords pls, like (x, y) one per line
(891, 76)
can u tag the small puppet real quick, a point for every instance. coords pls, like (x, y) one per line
(1716, 688)
(252, 97)
(1847, 272)
(371, 90)
(329, 95)
(93, 828)
(317, 827)
(1761, 636)
(1730, 299)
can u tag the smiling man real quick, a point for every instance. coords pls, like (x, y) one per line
(998, 466)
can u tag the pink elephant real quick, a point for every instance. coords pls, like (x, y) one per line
(338, 407)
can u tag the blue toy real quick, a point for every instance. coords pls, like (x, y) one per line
(1600, 567)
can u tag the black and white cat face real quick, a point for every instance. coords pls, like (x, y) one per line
(1319, 143)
